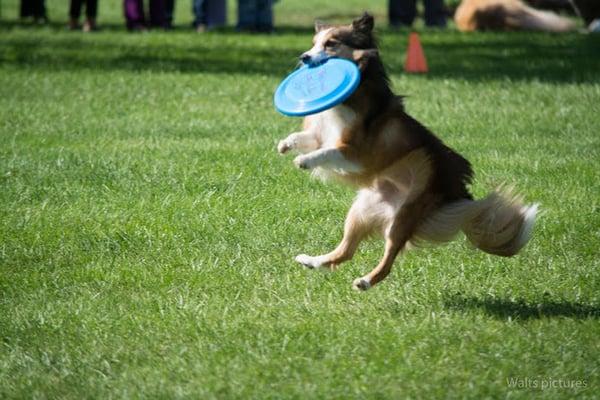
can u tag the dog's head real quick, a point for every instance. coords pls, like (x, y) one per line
(354, 42)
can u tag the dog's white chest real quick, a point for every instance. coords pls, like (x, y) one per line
(331, 125)
(333, 122)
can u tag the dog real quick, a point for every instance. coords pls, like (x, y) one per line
(503, 15)
(412, 188)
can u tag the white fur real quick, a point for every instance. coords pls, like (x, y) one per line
(329, 126)
(374, 210)
(542, 20)
(330, 158)
(332, 122)
(318, 142)
(443, 225)
(317, 52)
(529, 214)
(311, 262)
(498, 224)
(304, 142)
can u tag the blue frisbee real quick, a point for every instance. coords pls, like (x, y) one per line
(312, 89)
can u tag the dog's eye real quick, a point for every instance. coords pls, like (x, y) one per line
(331, 43)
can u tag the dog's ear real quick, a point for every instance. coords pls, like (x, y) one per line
(364, 23)
(320, 25)
(362, 57)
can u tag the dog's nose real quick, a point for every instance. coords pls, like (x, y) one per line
(305, 58)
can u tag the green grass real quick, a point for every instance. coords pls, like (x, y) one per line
(148, 227)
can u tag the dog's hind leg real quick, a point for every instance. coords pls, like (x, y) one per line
(406, 182)
(366, 214)
(397, 235)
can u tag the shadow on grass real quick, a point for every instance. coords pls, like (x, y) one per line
(156, 52)
(519, 309)
(518, 56)
(478, 57)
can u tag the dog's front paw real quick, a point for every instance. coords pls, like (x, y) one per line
(284, 146)
(361, 284)
(303, 162)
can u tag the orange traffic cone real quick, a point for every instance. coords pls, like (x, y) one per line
(415, 58)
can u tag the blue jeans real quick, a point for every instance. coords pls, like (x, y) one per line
(255, 15)
(403, 12)
(211, 13)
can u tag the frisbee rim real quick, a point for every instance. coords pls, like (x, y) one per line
(338, 95)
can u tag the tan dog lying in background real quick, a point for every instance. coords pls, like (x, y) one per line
(474, 15)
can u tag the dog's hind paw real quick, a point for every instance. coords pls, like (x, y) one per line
(361, 284)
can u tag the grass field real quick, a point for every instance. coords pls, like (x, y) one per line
(148, 227)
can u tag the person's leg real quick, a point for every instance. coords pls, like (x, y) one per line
(39, 11)
(26, 8)
(402, 12)
(216, 13)
(199, 10)
(264, 15)
(75, 9)
(157, 13)
(91, 10)
(74, 13)
(134, 13)
(246, 15)
(435, 13)
(169, 10)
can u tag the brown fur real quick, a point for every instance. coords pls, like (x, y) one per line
(496, 15)
(413, 188)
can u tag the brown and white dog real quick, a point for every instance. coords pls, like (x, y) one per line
(412, 187)
(505, 15)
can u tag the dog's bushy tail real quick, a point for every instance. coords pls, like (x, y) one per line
(499, 224)
(503, 224)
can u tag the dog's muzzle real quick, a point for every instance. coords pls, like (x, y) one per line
(314, 59)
